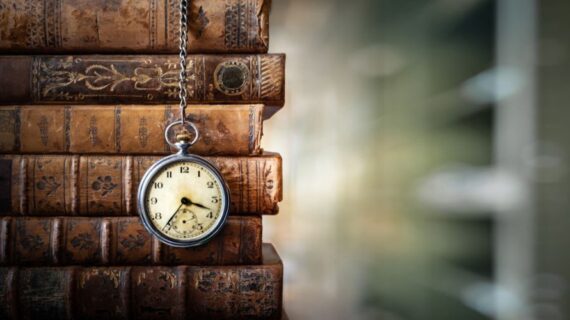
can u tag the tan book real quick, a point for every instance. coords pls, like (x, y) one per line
(141, 26)
(39, 241)
(143, 79)
(58, 185)
(127, 129)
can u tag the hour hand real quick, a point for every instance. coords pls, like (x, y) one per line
(188, 202)
(200, 205)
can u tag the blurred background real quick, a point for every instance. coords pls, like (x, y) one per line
(425, 148)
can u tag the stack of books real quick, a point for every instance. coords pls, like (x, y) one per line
(86, 91)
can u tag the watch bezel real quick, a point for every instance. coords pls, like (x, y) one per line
(142, 209)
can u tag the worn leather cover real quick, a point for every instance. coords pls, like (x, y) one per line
(142, 79)
(136, 26)
(57, 185)
(124, 129)
(157, 292)
(119, 241)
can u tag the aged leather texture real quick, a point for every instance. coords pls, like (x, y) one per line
(127, 129)
(144, 292)
(142, 79)
(58, 185)
(135, 26)
(53, 241)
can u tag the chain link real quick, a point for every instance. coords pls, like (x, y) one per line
(183, 54)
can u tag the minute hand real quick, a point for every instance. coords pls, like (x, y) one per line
(172, 217)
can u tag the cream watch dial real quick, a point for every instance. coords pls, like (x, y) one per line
(184, 200)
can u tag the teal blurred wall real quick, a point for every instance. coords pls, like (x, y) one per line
(398, 159)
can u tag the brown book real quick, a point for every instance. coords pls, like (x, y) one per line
(143, 26)
(127, 129)
(119, 241)
(57, 185)
(182, 292)
(142, 79)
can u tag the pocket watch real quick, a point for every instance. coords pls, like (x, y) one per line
(183, 199)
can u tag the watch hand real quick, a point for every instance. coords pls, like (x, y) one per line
(200, 206)
(189, 202)
(174, 214)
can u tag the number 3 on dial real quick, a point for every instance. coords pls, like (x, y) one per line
(183, 200)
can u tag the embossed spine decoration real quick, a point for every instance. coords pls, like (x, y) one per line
(103, 185)
(143, 132)
(43, 128)
(143, 79)
(119, 241)
(142, 26)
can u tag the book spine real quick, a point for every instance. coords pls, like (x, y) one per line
(224, 130)
(145, 26)
(142, 79)
(58, 185)
(119, 241)
(159, 292)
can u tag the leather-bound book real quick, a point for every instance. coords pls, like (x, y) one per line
(144, 292)
(60, 241)
(59, 185)
(142, 79)
(142, 26)
(127, 129)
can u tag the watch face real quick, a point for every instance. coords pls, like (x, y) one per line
(184, 202)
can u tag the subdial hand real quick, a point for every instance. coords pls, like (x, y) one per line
(174, 214)
(191, 213)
